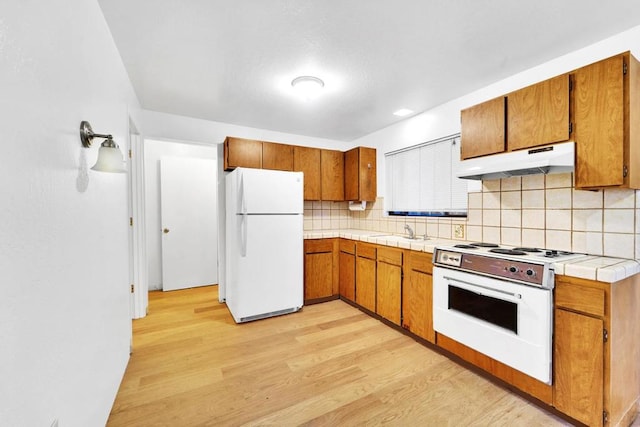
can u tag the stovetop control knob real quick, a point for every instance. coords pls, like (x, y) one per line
(530, 272)
(513, 269)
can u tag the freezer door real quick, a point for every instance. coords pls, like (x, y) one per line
(266, 191)
(265, 272)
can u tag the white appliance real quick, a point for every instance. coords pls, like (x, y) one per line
(264, 243)
(555, 158)
(498, 301)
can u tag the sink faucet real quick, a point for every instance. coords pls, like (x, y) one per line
(409, 230)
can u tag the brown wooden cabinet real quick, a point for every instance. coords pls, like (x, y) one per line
(538, 114)
(596, 350)
(320, 270)
(483, 129)
(347, 262)
(366, 275)
(360, 174)
(307, 161)
(606, 119)
(277, 156)
(389, 283)
(240, 152)
(332, 175)
(417, 296)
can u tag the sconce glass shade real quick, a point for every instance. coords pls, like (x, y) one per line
(109, 158)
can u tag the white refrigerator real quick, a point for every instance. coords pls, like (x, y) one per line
(264, 243)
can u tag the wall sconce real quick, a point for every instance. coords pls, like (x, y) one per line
(109, 156)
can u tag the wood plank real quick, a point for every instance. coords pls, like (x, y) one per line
(192, 365)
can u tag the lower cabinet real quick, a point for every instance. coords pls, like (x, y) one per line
(366, 275)
(417, 296)
(320, 270)
(596, 350)
(347, 263)
(389, 283)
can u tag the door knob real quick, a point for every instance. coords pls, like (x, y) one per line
(165, 231)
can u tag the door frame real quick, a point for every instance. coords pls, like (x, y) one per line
(137, 229)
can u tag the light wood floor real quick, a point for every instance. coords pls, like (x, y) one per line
(327, 365)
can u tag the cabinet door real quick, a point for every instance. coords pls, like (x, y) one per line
(389, 291)
(598, 96)
(578, 366)
(417, 302)
(483, 129)
(538, 114)
(332, 167)
(366, 282)
(277, 156)
(360, 182)
(348, 276)
(307, 161)
(241, 152)
(318, 269)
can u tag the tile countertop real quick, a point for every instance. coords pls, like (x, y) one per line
(603, 269)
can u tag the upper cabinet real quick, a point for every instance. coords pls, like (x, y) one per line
(483, 129)
(597, 106)
(332, 175)
(607, 123)
(240, 152)
(307, 161)
(360, 174)
(538, 114)
(277, 156)
(324, 170)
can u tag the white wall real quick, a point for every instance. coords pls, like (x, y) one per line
(65, 325)
(154, 150)
(445, 119)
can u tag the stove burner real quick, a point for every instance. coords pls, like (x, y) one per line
(485, 245)
(461, 246)
(528, 249)
(555, 254)
(507, 251)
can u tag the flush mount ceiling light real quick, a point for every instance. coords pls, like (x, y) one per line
(109, 156)
(307, 86)
(402, 112)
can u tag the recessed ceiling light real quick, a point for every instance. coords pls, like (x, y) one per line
(307, 86)
(402, 112)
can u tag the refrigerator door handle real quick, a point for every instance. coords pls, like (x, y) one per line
(243, 202)
(243, 235)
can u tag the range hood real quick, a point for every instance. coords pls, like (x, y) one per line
(548, 159)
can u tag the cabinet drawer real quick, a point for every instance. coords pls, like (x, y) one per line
(365, 250)
(421, 261)
(312, 246)
(580, 298)
(347, 246)
(390, 256)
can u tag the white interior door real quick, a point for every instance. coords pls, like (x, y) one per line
(188, 191)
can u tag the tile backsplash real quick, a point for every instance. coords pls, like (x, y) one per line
(537, 210)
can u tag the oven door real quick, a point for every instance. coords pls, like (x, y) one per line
(506, 321)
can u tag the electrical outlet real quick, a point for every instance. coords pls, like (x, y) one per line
(458, 231)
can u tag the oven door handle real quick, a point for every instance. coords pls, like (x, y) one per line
(486, 288)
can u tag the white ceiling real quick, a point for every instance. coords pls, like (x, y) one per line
(233, 61)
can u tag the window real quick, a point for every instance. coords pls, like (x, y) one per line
(421, 180)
